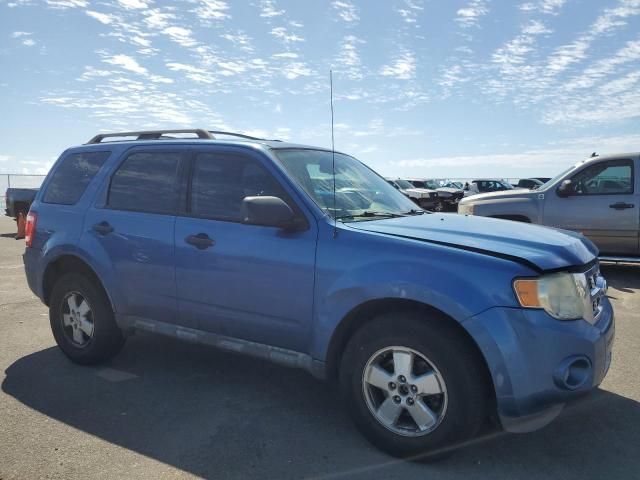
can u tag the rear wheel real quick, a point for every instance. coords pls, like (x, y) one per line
(412, 385)
(82, 320)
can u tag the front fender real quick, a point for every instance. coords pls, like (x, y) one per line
(524, 207)
(351, 273)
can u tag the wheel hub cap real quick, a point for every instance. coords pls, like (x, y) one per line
(404, 391)
(77, 319)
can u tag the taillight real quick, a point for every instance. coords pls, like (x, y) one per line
(30, 228)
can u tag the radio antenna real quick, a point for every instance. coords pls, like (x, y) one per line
(333, 159)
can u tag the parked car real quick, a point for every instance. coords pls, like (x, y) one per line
(528, 183)
(423, 197)
(453, 184)
(448, 196)
(598, 197)
(487, 185)
(429, 323)
(18, 200)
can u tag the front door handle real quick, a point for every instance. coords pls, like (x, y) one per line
(621, 205)
(201, 241)
(103, 228)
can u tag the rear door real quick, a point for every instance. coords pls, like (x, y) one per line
(603, 206)
(130, 231)
(244, 281)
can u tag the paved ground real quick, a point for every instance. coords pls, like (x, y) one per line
(163, 409)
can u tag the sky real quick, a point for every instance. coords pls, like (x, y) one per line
(423, 88)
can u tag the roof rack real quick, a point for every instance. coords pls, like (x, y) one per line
(151, 134)
(160, 134)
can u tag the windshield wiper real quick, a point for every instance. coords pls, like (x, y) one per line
(368, 214)
(413, 211)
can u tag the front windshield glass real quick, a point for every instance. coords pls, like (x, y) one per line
(557, 177)
(506, 185)
(360, 192)
(404, 184)
(432, 184)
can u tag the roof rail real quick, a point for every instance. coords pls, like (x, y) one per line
(240, 135)
(151, 134)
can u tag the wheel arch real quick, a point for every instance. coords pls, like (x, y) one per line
(365, 312)
(68, 263)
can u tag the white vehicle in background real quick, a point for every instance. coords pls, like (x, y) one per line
(423, 197)
(448, 196)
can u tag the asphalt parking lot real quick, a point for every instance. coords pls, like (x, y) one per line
(165, 409)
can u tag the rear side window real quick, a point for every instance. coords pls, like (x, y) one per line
(146, 182)
(72, 175)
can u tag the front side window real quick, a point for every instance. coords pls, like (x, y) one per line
(146, 182)
(220, 182)
(606, 178)
(72, 176)
(359, 192)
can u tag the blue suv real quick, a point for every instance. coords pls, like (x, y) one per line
(429, 323)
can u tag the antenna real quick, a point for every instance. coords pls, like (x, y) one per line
(333, 159)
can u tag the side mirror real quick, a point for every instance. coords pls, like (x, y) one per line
(565, 189)
(268, 212)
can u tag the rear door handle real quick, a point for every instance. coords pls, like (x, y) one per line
(103, 228)
(621, 205)
(201, 241)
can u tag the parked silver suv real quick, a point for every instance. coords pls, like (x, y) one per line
(598, 197)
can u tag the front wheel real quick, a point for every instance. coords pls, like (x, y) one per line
(82, 320)
(412, 385)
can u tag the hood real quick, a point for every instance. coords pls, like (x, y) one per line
(419, 191)
(449, 190)
(515, 193)
(539, 248)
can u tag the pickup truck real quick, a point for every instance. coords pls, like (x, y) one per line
(429, 324)
(598, 197)
(18, 200)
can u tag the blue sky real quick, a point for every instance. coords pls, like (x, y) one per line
(422, 87)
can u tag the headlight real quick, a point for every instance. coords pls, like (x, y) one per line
(561, 295)
(465, 208)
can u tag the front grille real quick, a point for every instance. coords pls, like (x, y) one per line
(596, 285)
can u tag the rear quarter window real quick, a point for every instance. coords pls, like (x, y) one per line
(72, 176)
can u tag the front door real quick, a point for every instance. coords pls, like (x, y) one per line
(245, 281)
(602, 205)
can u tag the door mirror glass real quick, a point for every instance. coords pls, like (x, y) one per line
(565, 189)
(268, 212)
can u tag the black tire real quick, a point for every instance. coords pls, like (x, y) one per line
(106, 340)
(432, 336)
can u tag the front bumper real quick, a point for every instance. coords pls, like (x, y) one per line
(531, 355)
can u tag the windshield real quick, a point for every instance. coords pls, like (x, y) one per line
(404, 184)
(432, 184)
(557, 177)
(360, 192)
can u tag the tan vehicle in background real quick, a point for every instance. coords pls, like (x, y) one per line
(598, 197)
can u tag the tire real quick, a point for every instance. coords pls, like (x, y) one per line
(70, 325)
(440, 353)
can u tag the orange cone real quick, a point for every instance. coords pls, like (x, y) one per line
(22, 222)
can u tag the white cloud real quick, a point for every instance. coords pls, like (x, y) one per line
(133, 4)
(64, 4)
(268, 9)
(285, 36)
(403, 68)
(126, 62)
(348, 60)
(470, 14)
(21, 34)
(294, 70)
(105, 18)
(182, 36)
(212, 10)
(29, 42)
(346, 11)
